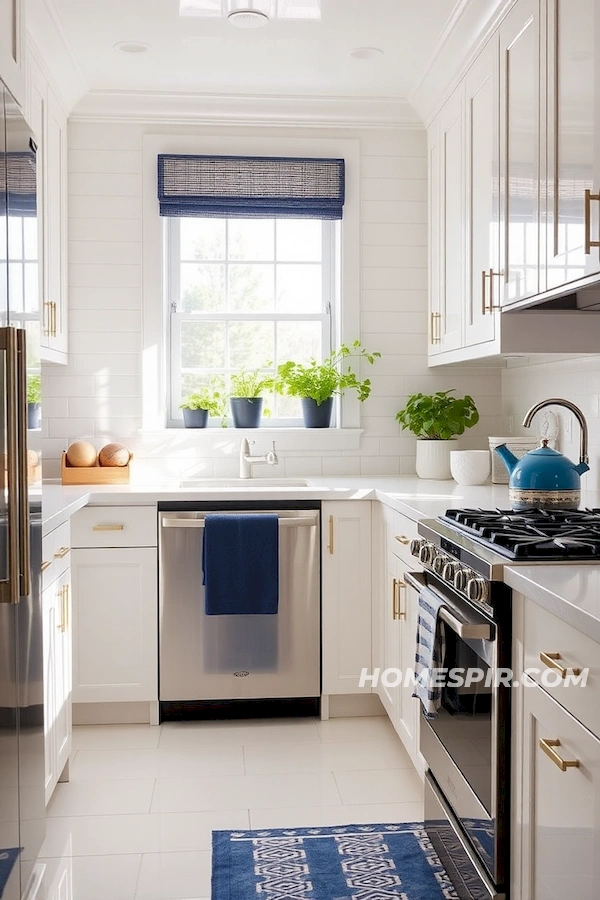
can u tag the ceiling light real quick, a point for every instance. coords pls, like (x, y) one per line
(305, 10)
(248, 18)
(366, 52)
(132, 46)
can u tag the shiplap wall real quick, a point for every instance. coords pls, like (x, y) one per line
(98, 396)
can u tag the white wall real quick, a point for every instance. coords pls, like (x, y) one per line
(98, 396)
(577, 380)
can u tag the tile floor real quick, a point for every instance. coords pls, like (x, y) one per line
(135, 821)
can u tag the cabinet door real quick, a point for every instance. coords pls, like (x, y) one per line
(452, 217)
(50, 640)
(561, 852)
(55, 329)
(12, 32)
(482, 112)
(435, 237)
(346, 597)
(114, 625)
(389, 685)
(573, 132)
(520, 145)
(407, 605)
(57, 679)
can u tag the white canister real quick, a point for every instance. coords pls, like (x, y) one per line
(519, 445)
(470, 466)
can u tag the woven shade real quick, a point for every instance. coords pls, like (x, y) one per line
(250, 187)
(20, 168)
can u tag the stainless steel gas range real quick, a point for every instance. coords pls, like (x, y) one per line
(467, 745)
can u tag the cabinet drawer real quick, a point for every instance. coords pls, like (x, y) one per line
(544, 633)
(403, 531)
(56, 553)
(114, 526)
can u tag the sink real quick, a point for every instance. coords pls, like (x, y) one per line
(246, 483)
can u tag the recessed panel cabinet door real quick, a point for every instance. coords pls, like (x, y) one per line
(520, 142)
(561, 787)
(573, 146)
(452, 227)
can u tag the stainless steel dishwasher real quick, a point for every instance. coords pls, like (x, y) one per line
(238, 657)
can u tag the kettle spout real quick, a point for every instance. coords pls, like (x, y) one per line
(581, 468)
(509, 459)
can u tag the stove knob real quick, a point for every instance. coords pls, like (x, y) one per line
(426, 553)
(449, 571)
(460, 579)
(415, 546)
(439, 562)
(476, 588)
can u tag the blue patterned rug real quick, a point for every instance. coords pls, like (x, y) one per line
(366, 862)
(7, 860)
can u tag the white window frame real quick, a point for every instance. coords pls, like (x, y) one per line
(155, 324)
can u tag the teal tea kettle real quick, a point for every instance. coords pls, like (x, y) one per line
(544, 478)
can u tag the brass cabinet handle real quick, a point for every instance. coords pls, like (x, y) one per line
(402, 539)
(24, 538)
(108, 528)
(550, 660)
(62, 552)
(394, 598)
(330, 544)
(53, 318)
(484, 275)
(485, 307)
(45, 565)
(436, 327)
(66, 602)
(9, 586)
(589, 243)
(563, 764)
(47, 319)
(400, 585)
(61, 595)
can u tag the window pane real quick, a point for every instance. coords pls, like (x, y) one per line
(202, 238)
(251, 344)
(287, 408)
(251, 287)
(299, 289)
(202, 345)
(32, 336)
(15, 287)
(30, 224)
(202, 288)
(299, 341)
(299, 239)
(32, 302)
(252, 239)
(15, 237)
(190, 384)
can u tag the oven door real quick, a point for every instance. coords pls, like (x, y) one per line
(465, 746)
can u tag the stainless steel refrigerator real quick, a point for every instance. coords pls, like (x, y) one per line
(22, 811)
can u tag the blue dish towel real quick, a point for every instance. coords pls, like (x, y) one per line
(431, 648)
(240, 565)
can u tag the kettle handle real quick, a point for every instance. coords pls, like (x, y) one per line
(557, 401)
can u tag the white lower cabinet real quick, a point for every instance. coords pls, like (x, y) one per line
(56, 612)
(346, 595)
(115, 606)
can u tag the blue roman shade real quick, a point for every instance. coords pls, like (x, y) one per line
(17, 183)
(250, 187)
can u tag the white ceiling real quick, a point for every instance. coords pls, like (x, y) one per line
(209, 55)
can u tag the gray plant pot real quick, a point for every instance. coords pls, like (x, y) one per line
(246, 411)
(315, 415)
(34, 415)
(195, 418)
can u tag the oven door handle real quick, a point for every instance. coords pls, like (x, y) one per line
(474, 631)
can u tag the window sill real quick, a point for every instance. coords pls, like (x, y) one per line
(294, 439)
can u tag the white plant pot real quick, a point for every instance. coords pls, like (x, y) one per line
(433, 459)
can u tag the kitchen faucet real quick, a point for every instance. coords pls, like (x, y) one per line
(557, 401)
(247, 460)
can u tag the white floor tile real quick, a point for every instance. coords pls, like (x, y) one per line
(107, 835)
(239, 732)
(383, 786)
(174, 876)
(235, 792)
(93, 877)
(158, 762)
(306, 816)
(326, 757)
(102, 797)
(358, 728)
(111, 737)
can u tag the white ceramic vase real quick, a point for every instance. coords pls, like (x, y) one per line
(470, 466)
(433, 459)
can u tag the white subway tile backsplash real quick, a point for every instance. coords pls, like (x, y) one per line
(372, 466)
(303, 465)
(72, 429)
(114, 342)
(58, 385)
(341, 465)
(108, 364)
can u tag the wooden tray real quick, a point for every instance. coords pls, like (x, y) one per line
(93, 474)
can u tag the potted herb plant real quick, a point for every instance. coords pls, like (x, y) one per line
(436, 420)
(317, 383)
(34, 400)
(245, 397)
(198, 406)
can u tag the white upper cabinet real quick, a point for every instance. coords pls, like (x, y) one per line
(12, 32)
(572, 226)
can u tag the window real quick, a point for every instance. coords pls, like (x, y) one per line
(247, 293)
(23, 280)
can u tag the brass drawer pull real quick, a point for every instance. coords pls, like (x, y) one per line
(400, 585)
(394, 598)
(62, 552)
(435, 328)
(108, 528)
(589, 243)
(563, 764)
(330, 544)
(46, 565)
(402, 539)
(550, 660)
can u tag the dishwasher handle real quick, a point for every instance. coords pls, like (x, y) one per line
(286, 522)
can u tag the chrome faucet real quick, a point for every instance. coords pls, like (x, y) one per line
(555, 401)
(247, 460)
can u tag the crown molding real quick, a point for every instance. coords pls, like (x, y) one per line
(54, 51)
(470, 26)
(217, 109)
